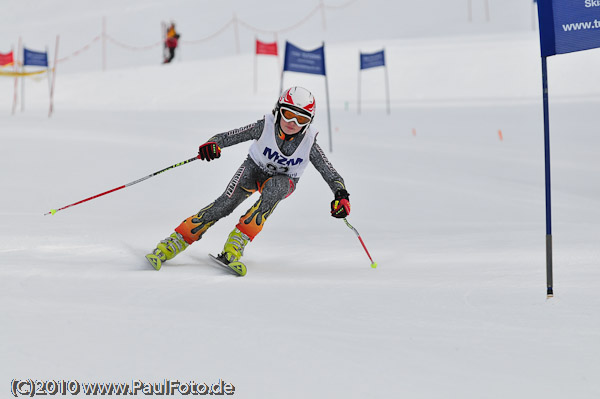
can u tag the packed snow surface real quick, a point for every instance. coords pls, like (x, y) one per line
(447, 192)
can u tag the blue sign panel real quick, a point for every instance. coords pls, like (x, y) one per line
(372, 60)
(298, 60)
(35, 58)
(568, 25)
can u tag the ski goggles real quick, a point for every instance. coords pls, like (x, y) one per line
(289, 115)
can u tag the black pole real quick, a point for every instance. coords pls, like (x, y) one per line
(328, 106)
(359, 78)
(549, 283)
(387, 88)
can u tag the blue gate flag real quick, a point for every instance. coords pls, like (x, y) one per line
(567, 26)
(35, 58)
(298, 60)
(372, 60)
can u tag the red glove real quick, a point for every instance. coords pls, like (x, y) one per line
(340, 206)
(209, 151)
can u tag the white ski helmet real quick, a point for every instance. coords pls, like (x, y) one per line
(298, 100)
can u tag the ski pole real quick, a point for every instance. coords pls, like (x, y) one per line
(53, 211)
(373, 264)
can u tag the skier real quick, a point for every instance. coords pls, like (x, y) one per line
(171, 43)
(284, 143)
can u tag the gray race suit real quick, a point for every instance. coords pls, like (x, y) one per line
(273, 185)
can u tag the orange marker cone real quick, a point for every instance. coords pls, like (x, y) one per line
(500, 135)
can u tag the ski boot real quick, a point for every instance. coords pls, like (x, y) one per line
(233, 251)
(167, 249)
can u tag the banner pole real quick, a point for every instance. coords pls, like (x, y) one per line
(277, 47)
(49, 77)
(53, 78)
(23, 81)
(281, 82)
(15, 66)
(359, 78)
(387, 84)
(255, 57)
(549, 283)
(328, 106)
(283, 68)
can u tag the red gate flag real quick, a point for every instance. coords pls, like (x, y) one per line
(266, 48)
(6, 59)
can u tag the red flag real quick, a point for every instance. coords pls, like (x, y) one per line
(6, 59)
(266, 48)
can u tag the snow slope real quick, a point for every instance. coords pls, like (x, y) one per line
(453, 215)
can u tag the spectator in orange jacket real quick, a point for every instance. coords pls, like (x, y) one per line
(171, 42)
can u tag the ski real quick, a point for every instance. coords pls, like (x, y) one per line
(236, 268)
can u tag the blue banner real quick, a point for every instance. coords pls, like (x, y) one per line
(372, 60)
(568, 25)
(298, 60)
(35, 58)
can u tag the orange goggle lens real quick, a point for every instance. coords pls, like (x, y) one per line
(290, 115)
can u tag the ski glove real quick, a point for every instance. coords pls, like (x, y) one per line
(340, 206)
(209, 151)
